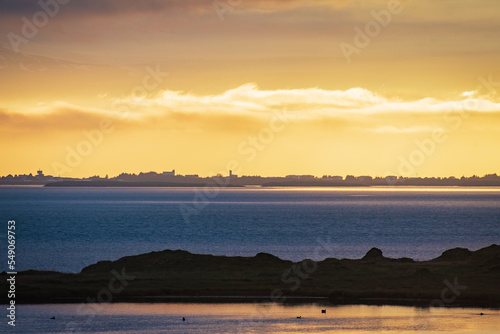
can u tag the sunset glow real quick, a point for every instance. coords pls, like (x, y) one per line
(279, 87)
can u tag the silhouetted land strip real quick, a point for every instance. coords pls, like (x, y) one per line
(129, 184)
(170, 179)
(318, 183)
(179, 275)
(403, 182)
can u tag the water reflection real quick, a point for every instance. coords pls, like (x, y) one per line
(251, 318)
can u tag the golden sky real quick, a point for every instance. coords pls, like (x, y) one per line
(263, 87)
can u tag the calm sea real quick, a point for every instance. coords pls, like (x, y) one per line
(250, 318)
(66, 229)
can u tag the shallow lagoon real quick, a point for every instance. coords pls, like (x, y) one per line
(251, 318)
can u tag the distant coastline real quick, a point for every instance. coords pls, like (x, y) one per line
(114, 184)
(109, 183)
(171, 179)
(459, 277)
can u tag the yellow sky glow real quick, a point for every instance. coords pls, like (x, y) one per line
(106, 87)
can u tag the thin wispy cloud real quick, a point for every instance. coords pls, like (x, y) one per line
(250, 99)
(251, 103)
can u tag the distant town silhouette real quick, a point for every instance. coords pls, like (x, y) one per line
(171, 179)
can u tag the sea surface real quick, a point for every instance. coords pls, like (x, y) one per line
(66, 229)
(250, 318)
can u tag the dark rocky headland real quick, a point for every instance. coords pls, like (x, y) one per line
(456, 278)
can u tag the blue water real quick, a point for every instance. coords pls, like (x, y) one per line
(66, 229)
